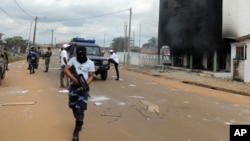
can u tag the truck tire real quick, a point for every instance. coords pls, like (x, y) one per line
(104, 75)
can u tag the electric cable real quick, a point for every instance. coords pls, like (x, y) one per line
(23, 9)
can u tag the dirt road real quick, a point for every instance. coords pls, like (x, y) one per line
(115, 110)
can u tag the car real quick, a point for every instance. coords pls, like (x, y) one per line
(2, 67)
(94, 53)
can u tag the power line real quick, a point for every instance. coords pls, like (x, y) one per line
(10, 16)
(6, 13)
(112, 13)
(23, 9)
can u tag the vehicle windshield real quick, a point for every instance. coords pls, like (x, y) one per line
(92, 50)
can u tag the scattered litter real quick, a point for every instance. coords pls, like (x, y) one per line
(150, 106)
(98, 98)
(132, 85)
(64, 91)
(18, 103)
(136, 96)
(22, 92)
(121, 103)
(98, 103)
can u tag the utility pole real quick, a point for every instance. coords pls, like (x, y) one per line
(129, 35)
(52, 39)
(125, 43)
(34, 35)
(129, 31)
(140, 36)
(126, 40)
(133, 39)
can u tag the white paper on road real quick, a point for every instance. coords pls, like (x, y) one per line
(98, 103)
(64, 91)
(22, 92)
(136, 96)
(98, 98)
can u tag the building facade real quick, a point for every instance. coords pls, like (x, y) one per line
(209, 35)
(193, 31)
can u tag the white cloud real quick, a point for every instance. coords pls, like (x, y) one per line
(83, 18)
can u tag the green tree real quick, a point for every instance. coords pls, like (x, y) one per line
(16, 41)
(118, 44)
(152, 42)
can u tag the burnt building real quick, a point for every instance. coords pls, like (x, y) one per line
(193, 29)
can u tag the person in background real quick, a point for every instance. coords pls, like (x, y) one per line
(47, 56)
(115, 60)
(6, 57)
(14, 51)
(31, 58)
(64, 61)
(78, 96)
(38, 53)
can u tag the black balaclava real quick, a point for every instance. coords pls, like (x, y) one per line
(81, 55)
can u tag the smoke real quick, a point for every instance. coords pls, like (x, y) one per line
(194, 24)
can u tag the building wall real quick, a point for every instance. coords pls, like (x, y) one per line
(236, 19)
(247, 63)
(240, 68)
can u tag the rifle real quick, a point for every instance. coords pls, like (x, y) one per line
(83, 83)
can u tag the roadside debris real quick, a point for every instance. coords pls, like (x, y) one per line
(18, 103)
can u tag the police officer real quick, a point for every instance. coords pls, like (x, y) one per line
(47, 56)
(31, 58)
(115, 60)
(5, 54)
(39, 54)
(78, 96)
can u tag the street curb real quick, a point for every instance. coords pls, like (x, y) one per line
(217, 88)
(193, 83)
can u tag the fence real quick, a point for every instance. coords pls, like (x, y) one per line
(136, 58)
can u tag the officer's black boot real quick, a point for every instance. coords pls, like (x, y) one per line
(33, 70)
(46, 70)
(78, 127)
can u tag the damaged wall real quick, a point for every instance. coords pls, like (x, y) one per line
(241, 67)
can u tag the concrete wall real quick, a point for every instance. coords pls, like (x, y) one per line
(236, 19)
(247, 63)
(141, 59)
(243, 66)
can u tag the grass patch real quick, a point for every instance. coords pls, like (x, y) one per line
(17, 57)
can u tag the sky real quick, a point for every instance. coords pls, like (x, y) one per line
(102, 20)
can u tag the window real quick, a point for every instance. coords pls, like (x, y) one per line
(241, 52)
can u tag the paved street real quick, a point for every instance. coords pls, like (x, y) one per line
(142, 106)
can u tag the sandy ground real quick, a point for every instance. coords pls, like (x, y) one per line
(114, 111)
